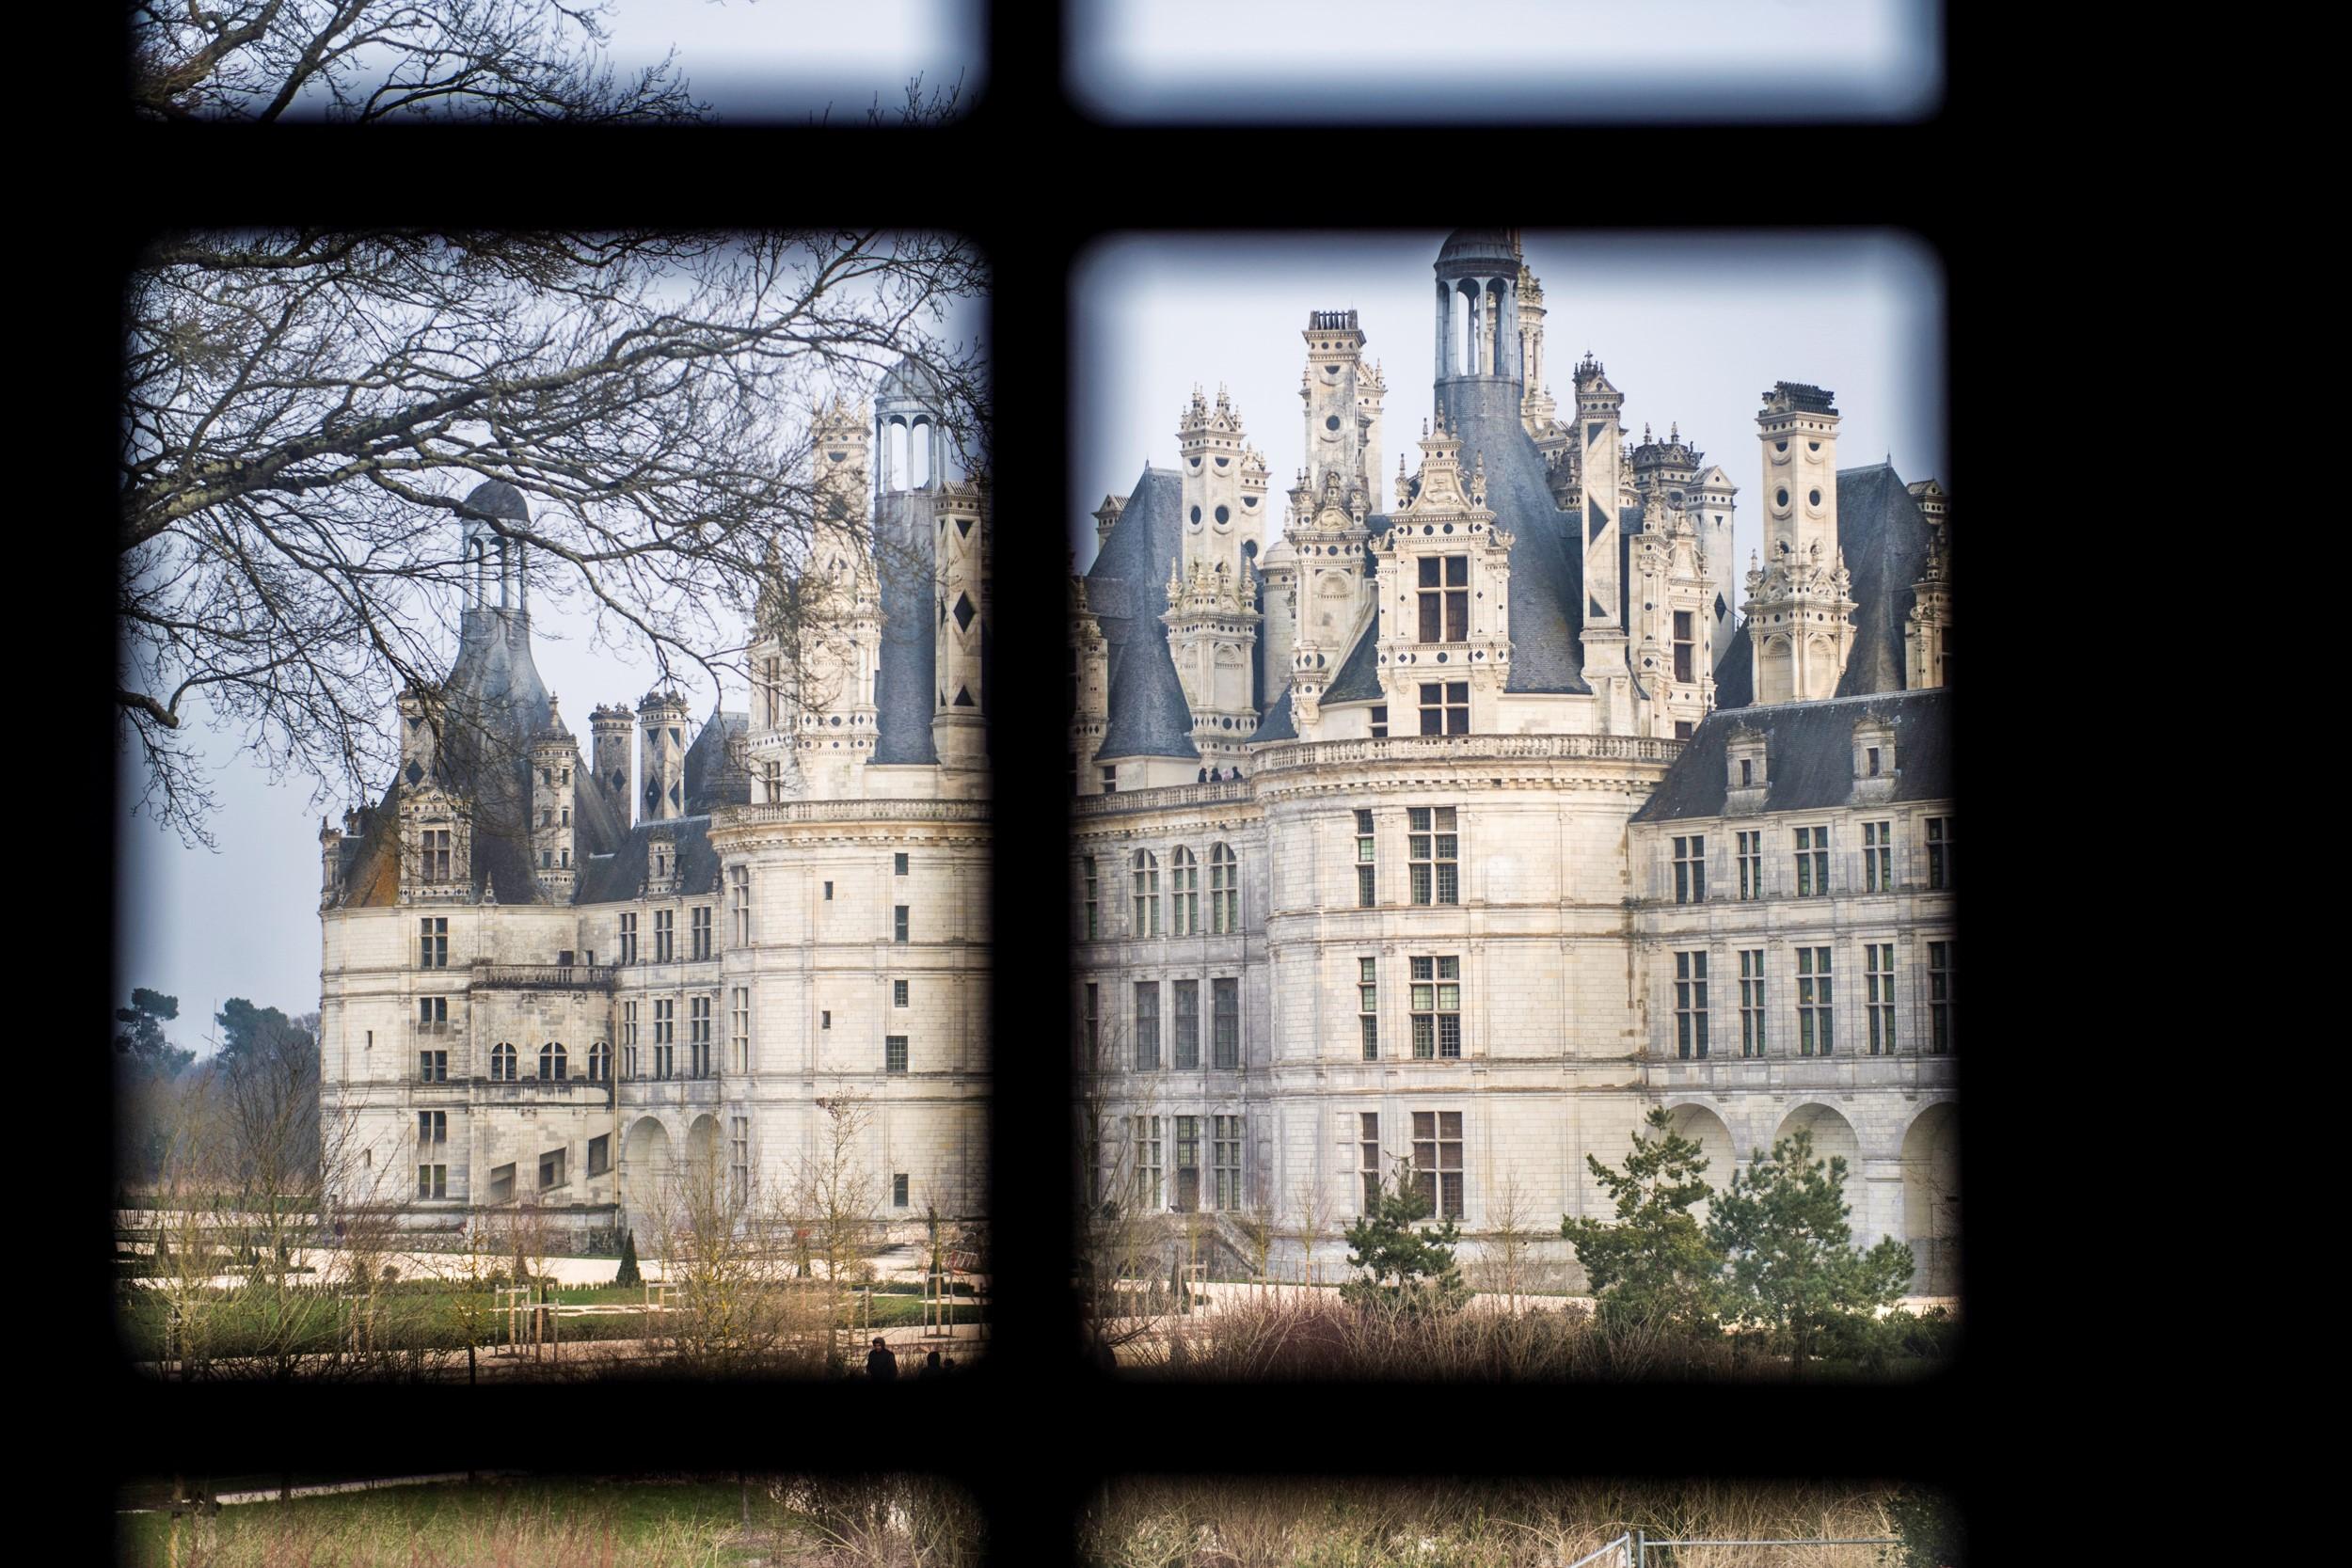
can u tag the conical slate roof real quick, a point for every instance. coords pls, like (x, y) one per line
(1127, 588)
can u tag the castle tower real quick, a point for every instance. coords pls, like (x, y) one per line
(1714, 507)
(420, 720)
(819, 647)
(1597, 405)
(910, 448)
(1668, 467)
(1372, 389)
(494, 575)
(1799, 612)
(1478, 312)
(1089, 692)
(960, 570)
(1210, 444)
(1928, 633)
(1332, 386)
(1326, 536)
(1107, 516)
(609, 729)
(1536, 408)
(554, 773)
(662, 718)
(1675, 635)
(1211, 615)
(330, 862)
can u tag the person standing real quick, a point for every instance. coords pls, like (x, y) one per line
(880, 1364)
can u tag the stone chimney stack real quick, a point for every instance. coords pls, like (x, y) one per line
(662, 764)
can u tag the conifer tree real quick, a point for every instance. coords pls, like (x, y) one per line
(1793, 1265)
(1404, 1267)
(1654, 1267)
(629, 1275)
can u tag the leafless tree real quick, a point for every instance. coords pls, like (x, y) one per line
(1127, 1244)
(729, 1253)
(253, 1186)
(830, 1199)
(365, 61)
(1312, 1211)
(1512, 1237)
(307, 413)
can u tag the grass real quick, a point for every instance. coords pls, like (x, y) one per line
(1250, 1522)
(1291, 1338)
(577, 1523)
(424, 1315)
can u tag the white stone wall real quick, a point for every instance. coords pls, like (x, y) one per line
(808, 956)
(1565, 949)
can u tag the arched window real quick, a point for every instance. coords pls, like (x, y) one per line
(1224, 891)
(599, 1062)
(919, 455)
(1184, 894)
(503, 1063)
(1146, 883)
(553, 1060)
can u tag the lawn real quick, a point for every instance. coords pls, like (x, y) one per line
(525, 1523)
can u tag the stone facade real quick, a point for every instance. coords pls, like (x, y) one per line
(1473, 882)
(558, 1006)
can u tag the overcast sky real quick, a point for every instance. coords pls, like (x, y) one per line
(1506, 59)
(1690, 328)
(767, 59)
(245, 922)
(788, 59)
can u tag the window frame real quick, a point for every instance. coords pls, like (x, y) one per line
(1689, 1005)
(1443, 975)
(1817, 1017)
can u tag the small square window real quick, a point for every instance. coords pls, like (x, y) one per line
(824, 1019)
(828, 893)
(898, 1191)
(897, 994)
(898, 865)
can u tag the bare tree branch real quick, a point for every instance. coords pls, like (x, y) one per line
(305, 414)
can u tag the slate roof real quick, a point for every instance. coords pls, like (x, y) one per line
(498, 500)
(1735, 670)
(904, 555)
(1276, 723)
(1127, 589)
(1885, 539)
(487, 758)
(1358, 678)
(1546, 551)
(1487, 248)
(715, 771)
(1808, 758)
(623, 874)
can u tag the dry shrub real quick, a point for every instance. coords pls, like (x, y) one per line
(1240, 1522)
(1295, 1337)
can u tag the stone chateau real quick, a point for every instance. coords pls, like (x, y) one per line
(545, 984)
(1470, 812)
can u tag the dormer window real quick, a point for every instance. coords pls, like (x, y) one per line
(1745, 757)
(1874, 759)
